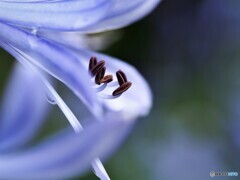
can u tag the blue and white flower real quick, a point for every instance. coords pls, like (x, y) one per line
(33, 32)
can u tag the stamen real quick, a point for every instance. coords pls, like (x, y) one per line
(100, 75)
(122, 88)
(98, 70)
(107, 79)
(98, 67)
(92, 63)
(121, 76)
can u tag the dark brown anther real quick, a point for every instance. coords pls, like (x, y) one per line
(92, 63)
(122, 88)
(107, 79)
(122, 78)
(100, 75)
(96, 69)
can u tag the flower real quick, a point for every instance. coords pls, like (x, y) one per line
(28, 31)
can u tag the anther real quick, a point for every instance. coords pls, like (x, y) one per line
(107, 79)
(92, 63)
(96, 69)
(100, 75)
(125, 86)
(122, 78)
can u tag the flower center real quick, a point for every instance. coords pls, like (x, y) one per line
(97, 70)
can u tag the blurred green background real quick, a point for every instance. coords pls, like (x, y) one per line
(189, 53)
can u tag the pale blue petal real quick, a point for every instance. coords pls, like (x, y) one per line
(23, 109)
(61, 15)
(56, 60)
(67, 154)
(123, 13)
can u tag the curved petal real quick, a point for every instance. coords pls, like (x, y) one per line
(56, 60)
(123, 13)
(23, 109)
(137, 100)
(60, 15)
(67, 154)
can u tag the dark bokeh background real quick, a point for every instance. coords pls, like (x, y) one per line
(188, 51)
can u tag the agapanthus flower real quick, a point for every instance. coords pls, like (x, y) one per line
(33, 32)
